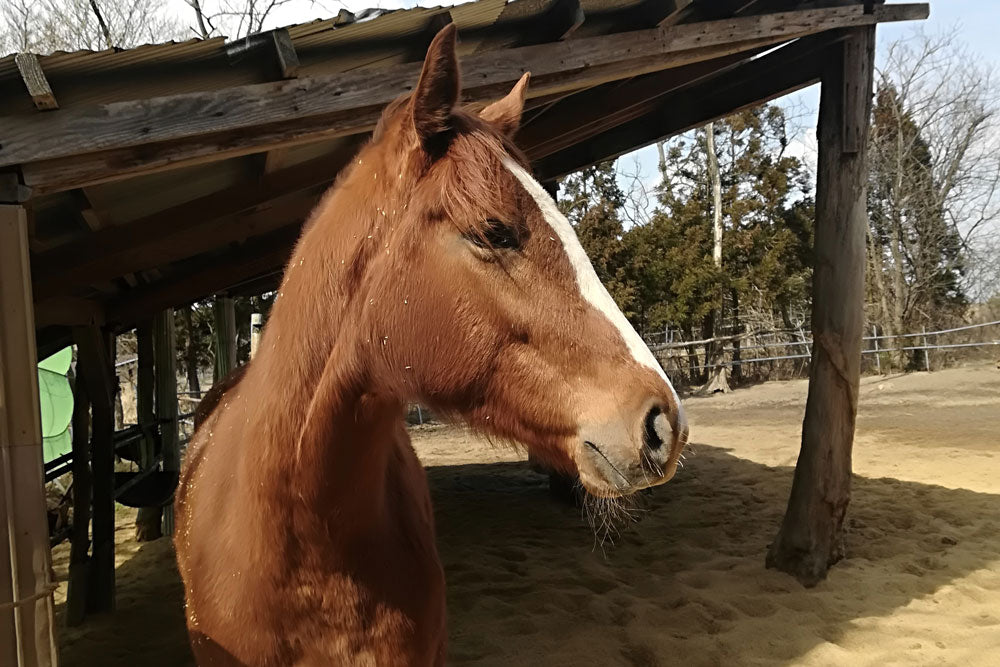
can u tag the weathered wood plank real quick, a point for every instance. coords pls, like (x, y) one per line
(11, 189)
(284, 51)
(577, 117)
(97, 370)
(79, 558)
(811, 535)
(187, 229)
(34, 80)
(26, 564)
(251, 118)
(165, 355)
(744, 86)
(256, 258)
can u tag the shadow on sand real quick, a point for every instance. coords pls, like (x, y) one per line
(527, 583)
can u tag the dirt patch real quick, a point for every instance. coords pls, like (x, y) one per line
(529, 585)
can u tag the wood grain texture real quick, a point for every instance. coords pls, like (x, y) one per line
(213, 125)
(746, 85)
(34, 80)
(810, 538)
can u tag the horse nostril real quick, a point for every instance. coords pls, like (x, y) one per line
(650, 436)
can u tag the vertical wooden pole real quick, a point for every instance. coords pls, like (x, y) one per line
(224, 336)
(927, 356)
(97, 370)
(148, 519)
(256, 327)
(165, 351)
(26, 627)
(878, 355)
(79, 557)
(811, 535)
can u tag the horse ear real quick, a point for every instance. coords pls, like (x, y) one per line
(437, 90)
(506, 113)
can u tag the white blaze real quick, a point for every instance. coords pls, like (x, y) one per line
(591, 287)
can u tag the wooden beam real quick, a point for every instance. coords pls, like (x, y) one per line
(68, 311)
(224, 336)
(530, 22)
(94, 364)
(187, 229)
(107, 141)
(745, 86)
(811, 537)
(165, 355)
(586, 114)
(284, 51)
(34, 80)
(12, 191)
(79, 557)
(653, 13)
(26, 621)
(257, 257)
(148, 520)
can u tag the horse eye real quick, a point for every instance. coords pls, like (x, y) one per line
(497, 236)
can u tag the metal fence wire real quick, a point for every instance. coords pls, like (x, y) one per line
(750, 342)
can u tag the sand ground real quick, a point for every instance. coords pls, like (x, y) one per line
(685, 585)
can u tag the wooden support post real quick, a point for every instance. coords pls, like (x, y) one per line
(224, 336)
(811, 537)
(256, 328)
(148, 519)
(927, 356)
(878, 355)
(165, 351)
(26, 626)
(79, 558)
(94, 365)
(552, 187)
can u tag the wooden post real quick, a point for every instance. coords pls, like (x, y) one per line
(811, 535)
(878, 355)
(97, 370)
(165, 351)
(26, 606)
(256, 327)
(927, 356)
(148, 519)
(79, 557)
(224, 336)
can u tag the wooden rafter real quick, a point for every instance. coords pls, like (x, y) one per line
(577, 117)
(188, 229)
(258, 257)
(750, 84)
(109, 141)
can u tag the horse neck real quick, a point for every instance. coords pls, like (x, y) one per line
(320, 429)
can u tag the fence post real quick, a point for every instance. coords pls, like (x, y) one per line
(878, 355)
(927, 356)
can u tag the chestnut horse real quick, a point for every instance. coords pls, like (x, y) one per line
(435, 270)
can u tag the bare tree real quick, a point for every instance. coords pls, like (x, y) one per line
(43, 26)
(935, 181)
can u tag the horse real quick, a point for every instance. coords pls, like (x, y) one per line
(435, 269)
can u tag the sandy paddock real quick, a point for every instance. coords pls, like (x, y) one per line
(685, 585)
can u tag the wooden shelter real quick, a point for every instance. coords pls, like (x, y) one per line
(135, 181)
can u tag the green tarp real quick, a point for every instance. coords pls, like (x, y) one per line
(56, 398)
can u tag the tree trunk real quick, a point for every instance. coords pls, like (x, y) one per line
(718, 372)
(811, 536)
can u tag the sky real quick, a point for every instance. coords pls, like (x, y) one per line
(975, 22)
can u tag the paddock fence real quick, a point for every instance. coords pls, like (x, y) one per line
(784, 353)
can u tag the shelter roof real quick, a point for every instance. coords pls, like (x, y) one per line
(162, 174)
